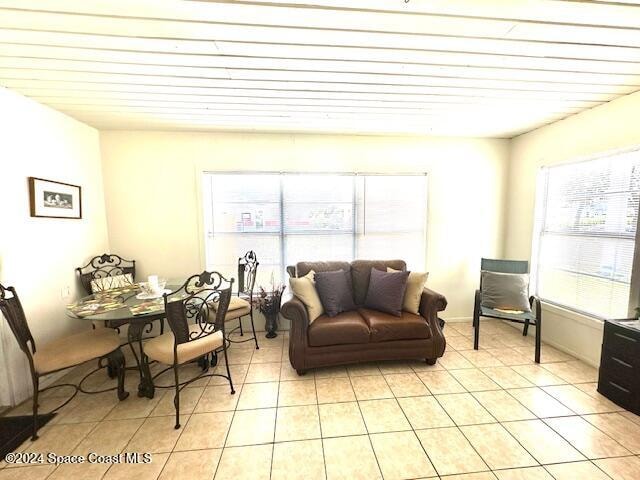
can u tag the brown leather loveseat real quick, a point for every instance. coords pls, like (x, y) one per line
(362, 335)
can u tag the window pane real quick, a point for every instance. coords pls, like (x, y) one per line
(392, 218)
(385, 246)
(586, 234)
(318, 247)
(287, 218)
(318, 203)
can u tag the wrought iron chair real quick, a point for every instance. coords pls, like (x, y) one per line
(526, 318)
(197, 330)
(63, 353)
(102, 268)
(242, 304)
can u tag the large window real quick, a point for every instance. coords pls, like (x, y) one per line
(586, 219)
(288, 217)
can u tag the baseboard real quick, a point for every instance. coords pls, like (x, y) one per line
(562, 348)
(458, 319)
(558, 346)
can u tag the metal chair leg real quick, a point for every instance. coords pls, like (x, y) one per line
(117, 360)
(226, 362)
(176, 399)
(253, 328)
(538, 338)
(476, 336)
(240, 323)
(525, 330)
(36, 387)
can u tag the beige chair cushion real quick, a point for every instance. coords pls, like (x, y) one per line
(238, 307)
(161, 348)
(413, 292)
(305, 289)
(75, 349)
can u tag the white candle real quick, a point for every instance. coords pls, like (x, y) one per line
(153, 282)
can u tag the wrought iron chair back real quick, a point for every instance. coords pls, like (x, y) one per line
(247, 271)
(191, 305)
(13, 312)
(104, 266)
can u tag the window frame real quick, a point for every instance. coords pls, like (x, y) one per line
(540, 208)
(207, 206)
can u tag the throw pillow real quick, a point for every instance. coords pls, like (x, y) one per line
(103, 284)
(334, 289)
(386, 291)
(505, 291)
(305, 289)
(413, 292)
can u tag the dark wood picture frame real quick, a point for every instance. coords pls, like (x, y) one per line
(34, 206)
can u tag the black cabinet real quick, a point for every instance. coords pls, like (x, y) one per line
(619, 378)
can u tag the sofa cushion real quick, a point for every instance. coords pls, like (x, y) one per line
(344, 328)
(386, 291)
(302, 268)
(413, 292)
(334, 289)
(361, 271)
(385, 327)
(305, 289)
(505, 291)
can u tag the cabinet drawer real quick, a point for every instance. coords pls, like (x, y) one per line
(618, 365)
(618, 392)
(625, 343)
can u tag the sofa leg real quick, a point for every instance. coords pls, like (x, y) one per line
(301, 372)
(431, 361)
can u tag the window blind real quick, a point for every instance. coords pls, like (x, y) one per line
(586, 220)
(287, 217)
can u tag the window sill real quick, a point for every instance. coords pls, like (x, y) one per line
(583, 319)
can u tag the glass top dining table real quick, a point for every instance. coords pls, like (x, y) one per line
(124, 306)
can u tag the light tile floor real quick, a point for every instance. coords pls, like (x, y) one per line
(475, 415)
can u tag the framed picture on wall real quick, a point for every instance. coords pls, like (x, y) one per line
(54, 199)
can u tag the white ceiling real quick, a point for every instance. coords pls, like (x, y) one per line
(493, 68)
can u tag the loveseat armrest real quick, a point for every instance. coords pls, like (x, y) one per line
(296, 311)
(430, 304)
(431, 301)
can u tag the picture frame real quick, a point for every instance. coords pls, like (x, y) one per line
(51, 199)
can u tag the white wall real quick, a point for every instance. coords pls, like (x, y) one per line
(38, 255)
(611, 126)
(152, 187)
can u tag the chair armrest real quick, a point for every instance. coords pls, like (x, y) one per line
(534, 302)
(430, 304)
(296, 311)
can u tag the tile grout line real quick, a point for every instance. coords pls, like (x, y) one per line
(324, 459)
(373, 450)
(472, 393)
(409, 422)
(235, 408)
(542, 420)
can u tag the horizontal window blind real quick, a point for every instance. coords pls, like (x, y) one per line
(586, 219)
(287, 217)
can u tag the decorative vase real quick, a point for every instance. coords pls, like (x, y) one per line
(271, 324)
